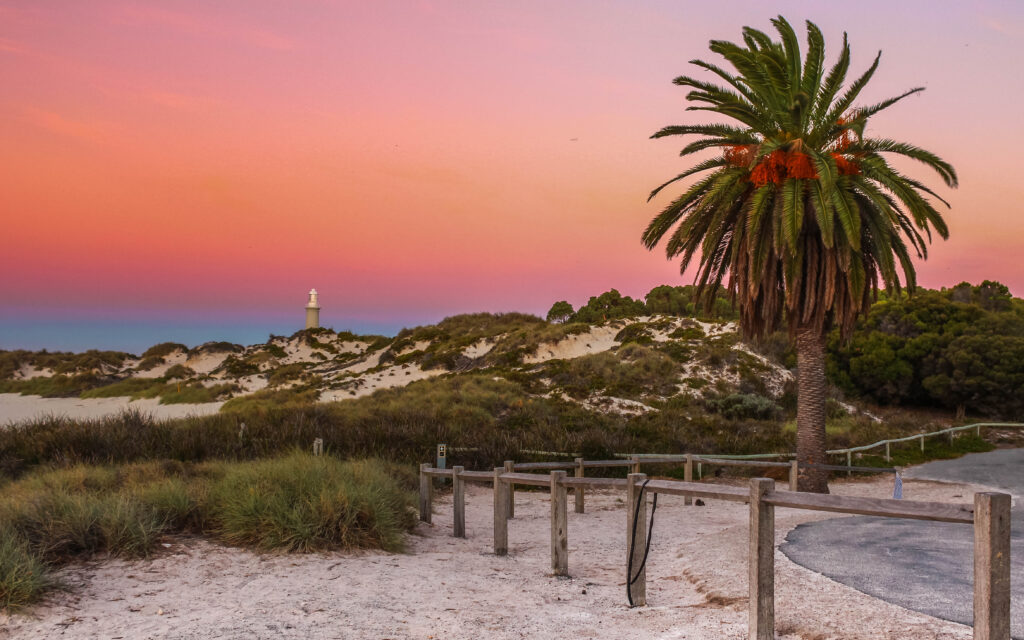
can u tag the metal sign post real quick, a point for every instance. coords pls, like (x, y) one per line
(442, 457)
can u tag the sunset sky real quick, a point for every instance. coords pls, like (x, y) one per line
(188, 170)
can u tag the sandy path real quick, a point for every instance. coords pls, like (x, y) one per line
(446, 588)
(18, 408)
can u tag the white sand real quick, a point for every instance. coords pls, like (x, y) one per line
(479, 348)
(16, 408)
(175, 357)
(386, 378)
(206, 362)
(596, 340)
(446, 588)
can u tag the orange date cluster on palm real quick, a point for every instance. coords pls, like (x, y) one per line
(780, 165)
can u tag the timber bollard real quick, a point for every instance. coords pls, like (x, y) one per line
(636, 544)
(688, 476)
(578, 491)
(458, 502)
(849, 463)
(426, 493)
(991, 566)
(634, 466)
(761, 561)
(510, 467)
(500, 513)
(888, 454)
(922, 443)
(559, 525)
(794, 475)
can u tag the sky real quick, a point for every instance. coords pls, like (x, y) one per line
(189, 170)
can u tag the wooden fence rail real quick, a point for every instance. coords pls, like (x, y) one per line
(990, 516)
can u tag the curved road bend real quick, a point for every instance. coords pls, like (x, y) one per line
(923, 566)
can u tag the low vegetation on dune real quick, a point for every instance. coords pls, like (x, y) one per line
(946, 348)
(296, 502)
(495, 417)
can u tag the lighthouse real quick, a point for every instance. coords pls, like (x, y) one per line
(313, 311)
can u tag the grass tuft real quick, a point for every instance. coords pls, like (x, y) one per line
(24, 578)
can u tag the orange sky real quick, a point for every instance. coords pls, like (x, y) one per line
(417, 159)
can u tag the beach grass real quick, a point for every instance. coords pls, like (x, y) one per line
(295, 502)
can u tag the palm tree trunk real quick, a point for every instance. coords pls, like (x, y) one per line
(810, 409)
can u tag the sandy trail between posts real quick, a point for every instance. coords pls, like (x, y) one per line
(448, 588)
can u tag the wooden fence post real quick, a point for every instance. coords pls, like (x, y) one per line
(794, 475)
(991, 566)
(578, 491)
(849, 463)
(977, 430)
(638, 590)
(688, 476)
(888, 454)
(510, 467)
(458, 502)
(426, 493)
(951, 435)
(634, 467)
(922, 443)
(500, 513)
(761, 562)
(559, 525)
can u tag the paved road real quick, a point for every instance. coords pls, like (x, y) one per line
(924, 566)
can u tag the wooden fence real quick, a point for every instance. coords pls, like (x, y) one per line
(990, 515)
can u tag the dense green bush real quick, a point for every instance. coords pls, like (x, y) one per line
(742, 406)
(961, 348)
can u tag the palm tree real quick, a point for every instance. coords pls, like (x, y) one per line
(801, 217)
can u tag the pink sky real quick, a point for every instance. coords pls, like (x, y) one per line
(417, 159)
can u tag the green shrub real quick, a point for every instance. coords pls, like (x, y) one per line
(275, 350)
(301, 503)
(179, 371)
(637, 333)
(150, 362)
(286, 373)
(164, 349)
(740, 406)
(687, 333)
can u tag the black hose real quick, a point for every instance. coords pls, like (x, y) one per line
(630, 578)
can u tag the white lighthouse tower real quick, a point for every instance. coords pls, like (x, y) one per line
(313, 311)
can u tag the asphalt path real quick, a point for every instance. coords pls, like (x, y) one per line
(923, 566)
